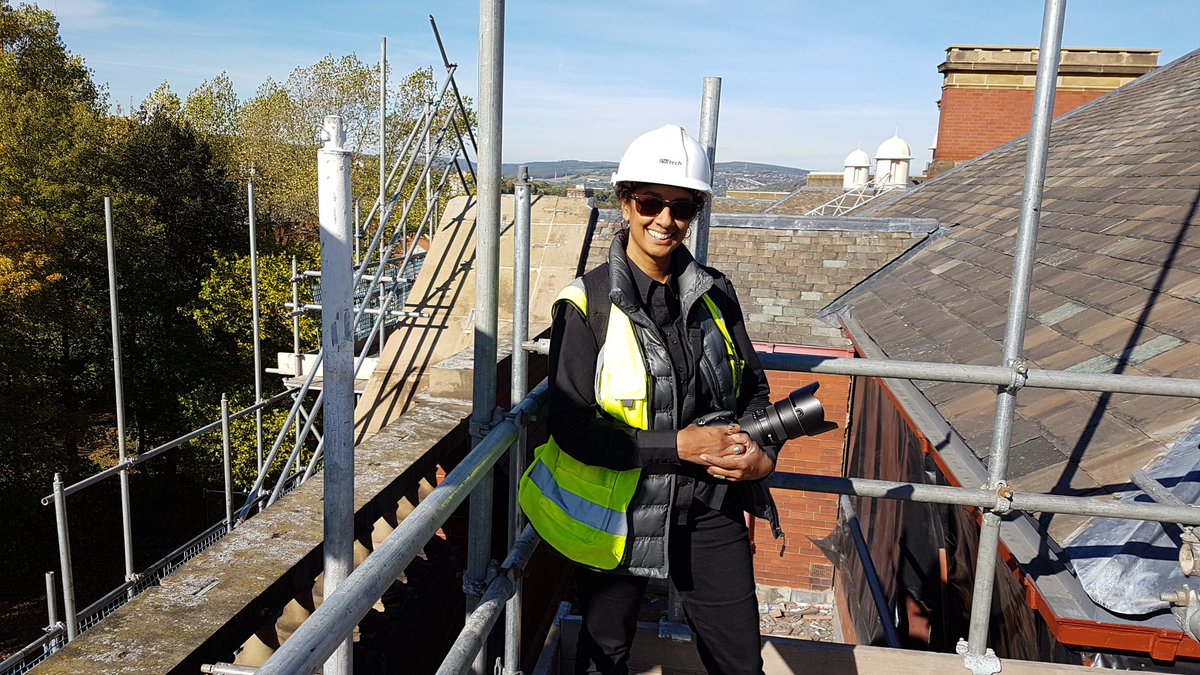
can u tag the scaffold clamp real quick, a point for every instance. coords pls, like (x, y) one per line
(1189, 552)
(986, 663)
(480, 430)
(1004, 495)
(475, 588)
(1185, 605)
(521, 417)
(1020, 374)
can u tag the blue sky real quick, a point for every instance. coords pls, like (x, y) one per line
(803, 83)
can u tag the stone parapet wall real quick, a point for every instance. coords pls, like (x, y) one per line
(1072, 60)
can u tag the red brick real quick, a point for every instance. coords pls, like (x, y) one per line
(804, 515)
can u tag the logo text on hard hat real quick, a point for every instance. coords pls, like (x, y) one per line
(673, 162)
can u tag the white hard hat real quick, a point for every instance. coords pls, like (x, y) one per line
(666, 156)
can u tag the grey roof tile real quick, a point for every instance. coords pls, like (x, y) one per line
(1032, 455)
(1116, 282)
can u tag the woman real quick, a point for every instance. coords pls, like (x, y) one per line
(628, 487)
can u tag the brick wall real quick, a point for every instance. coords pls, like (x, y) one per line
(974, 121)
(793, 561)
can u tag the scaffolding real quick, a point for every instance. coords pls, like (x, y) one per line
(315, 639)
(492, 586)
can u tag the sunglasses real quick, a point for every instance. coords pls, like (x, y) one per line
(681, 209)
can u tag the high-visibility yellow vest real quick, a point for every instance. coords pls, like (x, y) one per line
(579, 509)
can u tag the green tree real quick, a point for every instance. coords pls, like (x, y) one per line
(185, 213)
(60, 155)
(275, 134)
(51, 148)
(212, 108)
(222, 308)
(51, 377)
(280, 146)
(222, 311)
(162, 102)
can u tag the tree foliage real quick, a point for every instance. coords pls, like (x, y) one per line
(51, 148)
(173, 210)
(175, 171)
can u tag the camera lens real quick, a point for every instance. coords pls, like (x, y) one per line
(800, 414)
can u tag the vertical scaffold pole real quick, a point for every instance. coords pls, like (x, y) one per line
(296, 358)
(64, 557)
(227, 463)
(519, 387)
(710, 107)
(119, 385)
(51, 602)
(337, 345)
(258, 423)
(382, 188)
(1014, 333)
(487, 254)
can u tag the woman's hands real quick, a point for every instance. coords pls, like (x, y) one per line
(726, 451)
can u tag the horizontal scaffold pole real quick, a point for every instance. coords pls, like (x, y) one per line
(151, 454)
(1004, 499)
(994, 375)
(317, 637)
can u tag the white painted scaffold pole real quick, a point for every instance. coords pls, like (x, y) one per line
(337, 346)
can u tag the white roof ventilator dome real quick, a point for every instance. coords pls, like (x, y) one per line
(893, 148)
(856, 159)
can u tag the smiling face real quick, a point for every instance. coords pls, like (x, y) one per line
(652, 239)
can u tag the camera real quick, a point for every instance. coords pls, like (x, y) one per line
(800, 414)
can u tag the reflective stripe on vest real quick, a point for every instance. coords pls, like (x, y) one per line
(579, 509)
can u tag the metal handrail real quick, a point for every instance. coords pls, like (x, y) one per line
(53, 633)
(140, 582)
(477, 627)
(320, 634)
(150, 454)
(1003, 499)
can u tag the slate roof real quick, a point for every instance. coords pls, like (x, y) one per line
(785, 269)
(1116, 285)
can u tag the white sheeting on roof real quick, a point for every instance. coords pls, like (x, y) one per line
(1124, 565)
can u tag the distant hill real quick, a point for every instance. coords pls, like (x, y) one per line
(563, 169)
(730, 175)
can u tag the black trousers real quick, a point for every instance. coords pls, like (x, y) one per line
(713, 571)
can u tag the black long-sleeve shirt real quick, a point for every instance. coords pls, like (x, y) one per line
(601, 441)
